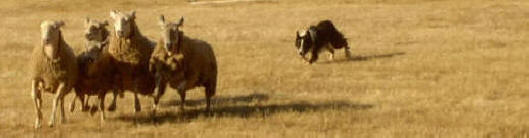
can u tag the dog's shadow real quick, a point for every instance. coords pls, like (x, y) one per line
(363, 58)
(238, 107)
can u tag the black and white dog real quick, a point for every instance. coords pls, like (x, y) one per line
(323, 35)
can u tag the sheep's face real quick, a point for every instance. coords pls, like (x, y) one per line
(96, 30)
(171, 34)
(123, 23)
(94, 49)
(50, 31)
(50, 36)
(87, 58)
(303, 41)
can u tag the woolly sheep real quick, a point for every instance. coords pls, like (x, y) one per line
(97, 82)
(130, 52)
(183, 62)
(54, 70)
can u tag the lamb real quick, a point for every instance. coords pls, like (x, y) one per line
(96, 82)
(183, 62)
(54, 70)
(130, 52)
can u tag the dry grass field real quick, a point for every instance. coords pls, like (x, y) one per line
(421, 68)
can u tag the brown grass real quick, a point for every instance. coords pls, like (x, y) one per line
(422, 68)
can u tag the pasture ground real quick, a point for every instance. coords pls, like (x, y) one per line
(421, 68)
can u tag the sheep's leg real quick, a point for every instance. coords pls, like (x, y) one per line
(72, 105)
(85, 105)
(160, 90)
(137, 106)
(35, 94)
(112, 106)
(210, 91)
(58, 95)
(62, 114)
(101, 98)
(81, 98)
(182, 94)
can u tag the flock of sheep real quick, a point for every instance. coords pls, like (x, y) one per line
(124, 60)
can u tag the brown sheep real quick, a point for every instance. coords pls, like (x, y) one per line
(130, 52)
(183, 62)
(54, 69)
(96, 36)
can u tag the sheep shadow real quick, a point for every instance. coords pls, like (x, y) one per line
(218, 100)
(239, 111)
(364, 58)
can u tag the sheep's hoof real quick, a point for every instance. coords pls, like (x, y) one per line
(112, 107)
(37, 124)
(102, 120)
(72, 108)
(93, 110)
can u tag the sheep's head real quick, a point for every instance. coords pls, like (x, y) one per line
(96, 30)
(50, 36)
(92, 53)
(94, 50)
(123, 23)
(303, 41)
(171, 34)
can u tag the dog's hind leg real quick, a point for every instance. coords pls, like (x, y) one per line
(331, 51)
(347, 52)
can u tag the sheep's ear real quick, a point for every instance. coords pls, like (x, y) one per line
(105, 23)
(297, 34)
(181, 22)
(114, 14)
(133, 14)
(161, 20)
(59, 24)
(87, 21)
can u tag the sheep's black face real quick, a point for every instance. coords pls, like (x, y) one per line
(95, 30)
(123, 23)
(93, 51)
(303, 42)
(171, 34)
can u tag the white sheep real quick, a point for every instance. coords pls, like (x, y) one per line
(54, 69)
(131, 51)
